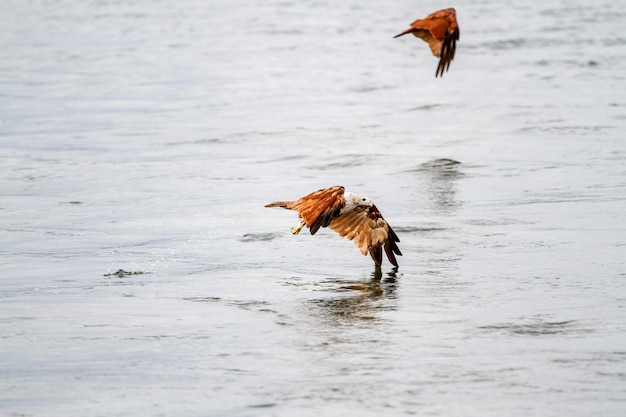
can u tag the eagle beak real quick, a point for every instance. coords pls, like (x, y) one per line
(296, 230)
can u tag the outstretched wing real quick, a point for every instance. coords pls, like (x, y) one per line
(369, 231)
(440, 30)
(320, 207)
(448, 32)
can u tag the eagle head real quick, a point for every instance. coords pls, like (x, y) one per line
(357, 200)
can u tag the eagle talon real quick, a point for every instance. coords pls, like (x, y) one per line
(296, 230)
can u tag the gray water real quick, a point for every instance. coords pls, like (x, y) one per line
(147, 136)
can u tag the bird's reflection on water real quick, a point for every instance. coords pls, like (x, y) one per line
(438, 182)
(359, 301)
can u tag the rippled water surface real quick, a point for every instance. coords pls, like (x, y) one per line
(147, 137)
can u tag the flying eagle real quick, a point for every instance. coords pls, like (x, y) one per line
(351, 215)
(440, 31)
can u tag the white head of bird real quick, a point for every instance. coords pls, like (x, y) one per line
(355, 200)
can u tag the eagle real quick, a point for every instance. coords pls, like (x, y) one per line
(440, 31)
(353, 216)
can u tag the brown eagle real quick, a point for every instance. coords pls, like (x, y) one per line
(440, 31)
(353, 216)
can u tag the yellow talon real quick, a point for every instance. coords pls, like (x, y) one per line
(296, 230)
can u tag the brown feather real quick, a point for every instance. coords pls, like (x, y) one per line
(440, 30)
(283, 204)
(318, 208)
(377, 255)
(351, 226)
(369, 231)
(363, 224)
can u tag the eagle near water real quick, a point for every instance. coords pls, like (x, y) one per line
(353, 216)
(440, 31)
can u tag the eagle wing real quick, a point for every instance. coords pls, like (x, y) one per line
(440, 30)
(369, 231)
(320, 207)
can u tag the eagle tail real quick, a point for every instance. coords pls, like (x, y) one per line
(283, 204)
(409, 30)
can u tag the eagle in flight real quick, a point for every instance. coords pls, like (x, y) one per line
(440, 31)
(353, 216)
